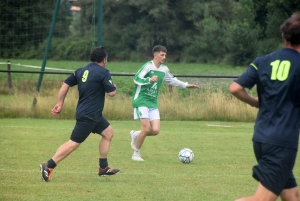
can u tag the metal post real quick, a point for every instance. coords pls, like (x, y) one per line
(47, 49)
(99, 22)
(8, 75)
(170, 90)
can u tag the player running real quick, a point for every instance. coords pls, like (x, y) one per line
(147, 82)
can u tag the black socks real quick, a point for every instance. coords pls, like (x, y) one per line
(103, 163)
(51, 163)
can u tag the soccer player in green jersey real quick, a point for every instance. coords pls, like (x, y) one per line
(144, 99)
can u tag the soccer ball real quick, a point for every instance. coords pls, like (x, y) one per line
(186, 155)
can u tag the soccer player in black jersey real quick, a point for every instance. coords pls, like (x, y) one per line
(276, 131)
(93, 81)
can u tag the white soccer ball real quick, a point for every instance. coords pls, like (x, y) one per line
(186, 155)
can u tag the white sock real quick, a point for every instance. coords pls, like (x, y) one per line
(136, 152)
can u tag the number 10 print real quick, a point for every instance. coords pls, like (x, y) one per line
(280, 70)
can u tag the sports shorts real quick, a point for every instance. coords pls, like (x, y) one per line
(145, 113)
(275, 167)
(84, 127)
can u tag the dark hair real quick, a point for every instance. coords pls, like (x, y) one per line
(291, 29)
(98, 54)
(159, 48)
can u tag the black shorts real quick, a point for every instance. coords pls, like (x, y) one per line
(275, 167)
(84, 127)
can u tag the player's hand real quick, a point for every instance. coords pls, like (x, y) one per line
(153, 78)
(193, 86)
(56, 110)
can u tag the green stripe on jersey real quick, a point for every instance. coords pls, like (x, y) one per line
(254, 66)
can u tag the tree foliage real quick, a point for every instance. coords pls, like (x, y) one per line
(212, 31)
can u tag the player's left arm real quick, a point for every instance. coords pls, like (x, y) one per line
(109, 86)
(173, 81)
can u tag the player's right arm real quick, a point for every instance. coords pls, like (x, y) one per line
(140, 79)
(61, 98)
(247, 80)
(69, 82)
(239, 92)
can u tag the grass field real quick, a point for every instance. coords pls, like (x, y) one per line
(221, 169)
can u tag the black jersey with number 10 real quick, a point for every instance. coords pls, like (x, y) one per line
(277, 78)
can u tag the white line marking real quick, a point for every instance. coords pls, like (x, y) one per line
(29, 66)
(31, 127)
(219, 125)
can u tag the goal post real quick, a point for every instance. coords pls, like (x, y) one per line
(38, 86)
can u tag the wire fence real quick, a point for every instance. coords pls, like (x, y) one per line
(117, 74)
(16, 79)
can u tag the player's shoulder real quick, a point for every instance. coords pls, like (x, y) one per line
(77, 71)
(266, 58)
(148, 64)
(163, 66)
(281, 54)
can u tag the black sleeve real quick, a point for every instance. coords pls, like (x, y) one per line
(249, 78)
(108, 83)
(71, 80)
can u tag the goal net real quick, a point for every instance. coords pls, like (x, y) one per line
(25, 26)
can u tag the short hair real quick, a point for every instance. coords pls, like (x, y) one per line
(159, 48)
(98, 54)
(291, 29)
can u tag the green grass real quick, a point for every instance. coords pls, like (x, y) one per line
(221, 169)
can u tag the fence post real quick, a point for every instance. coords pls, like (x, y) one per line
(170, 89)
(8, 75)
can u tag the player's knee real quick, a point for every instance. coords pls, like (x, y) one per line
(155, 132)
(290, 194)
(297, 196)
(73, 145)
(108, 133)
(147, 130)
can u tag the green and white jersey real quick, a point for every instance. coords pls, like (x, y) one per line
(145, 92)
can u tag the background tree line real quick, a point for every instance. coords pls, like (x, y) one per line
(209, 31)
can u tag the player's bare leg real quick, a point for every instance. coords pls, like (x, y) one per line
(291, 194)
(104, 146)
(64, 150)
(261, 194)
(148, 129)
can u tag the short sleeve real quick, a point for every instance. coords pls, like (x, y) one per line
(71, 80)
(249, 78)
(108, 83)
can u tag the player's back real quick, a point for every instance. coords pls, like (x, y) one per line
(277, 82)
(91, 87)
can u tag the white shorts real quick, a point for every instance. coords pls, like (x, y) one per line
(145, 113)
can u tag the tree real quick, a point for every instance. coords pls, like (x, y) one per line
(25, 24)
